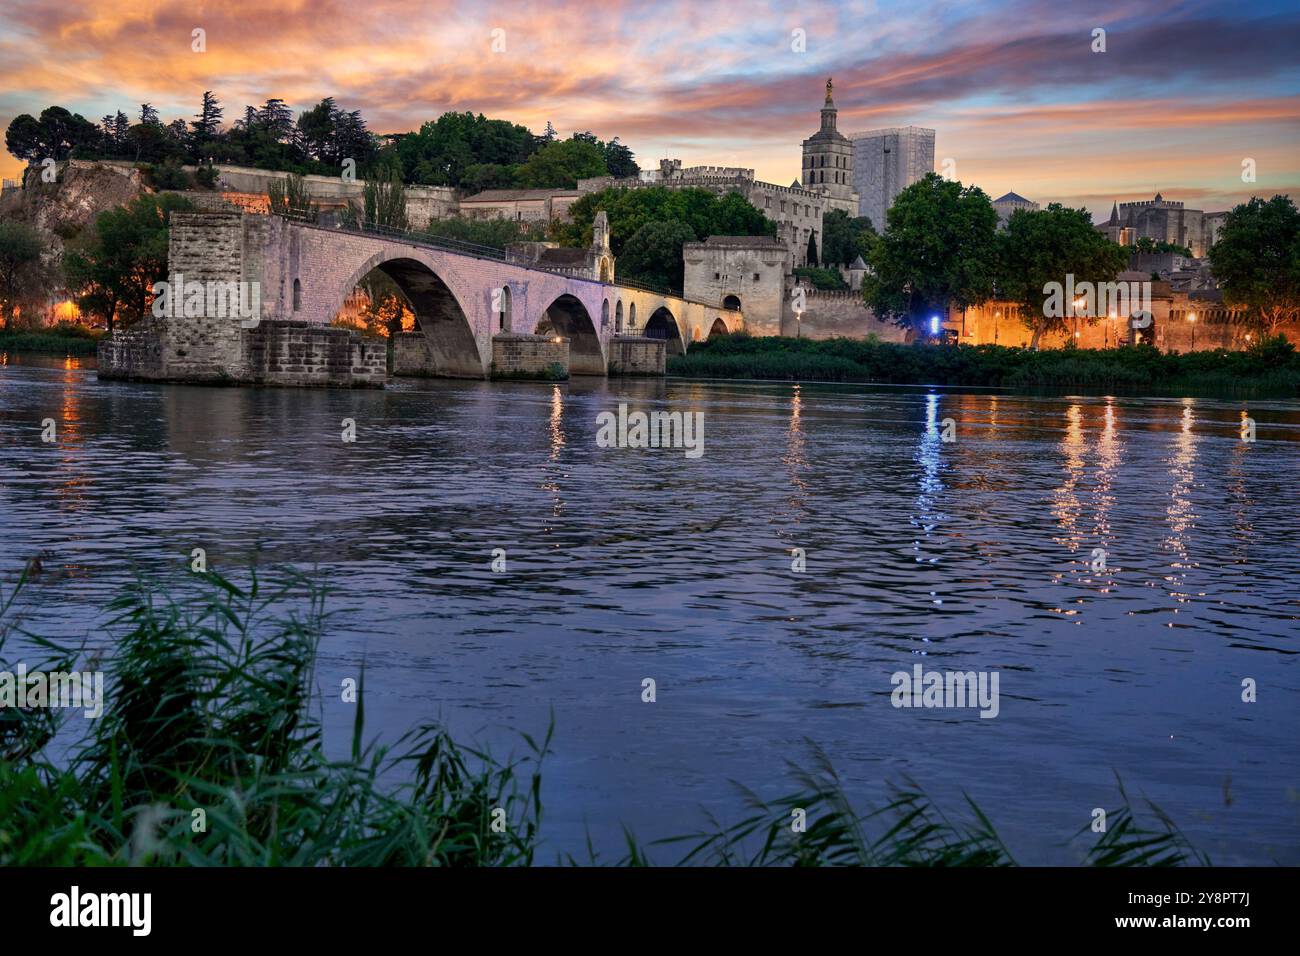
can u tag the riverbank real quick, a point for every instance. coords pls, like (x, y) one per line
(1271, 368)
(205, 746)
(59, 340)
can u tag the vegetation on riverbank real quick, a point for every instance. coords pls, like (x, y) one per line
(62, 339)
(211, 751)
(1271, 367)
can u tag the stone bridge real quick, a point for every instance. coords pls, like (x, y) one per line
(463, 299)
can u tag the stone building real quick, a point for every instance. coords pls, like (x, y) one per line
(520, 205)
(885, 162)
(741, 272)
(1164, 220)
(1006, 205)
(828, 162)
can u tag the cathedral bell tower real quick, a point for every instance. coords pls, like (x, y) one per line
(828, 161)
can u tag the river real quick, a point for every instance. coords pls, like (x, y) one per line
(980, 554)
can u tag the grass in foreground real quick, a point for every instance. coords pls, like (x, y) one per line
(1272, 366)
(210, 751)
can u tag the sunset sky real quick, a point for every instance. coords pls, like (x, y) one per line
(1183, 94)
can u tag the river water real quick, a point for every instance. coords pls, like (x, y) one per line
(978, 554)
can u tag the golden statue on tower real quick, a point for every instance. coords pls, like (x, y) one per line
(828, 89)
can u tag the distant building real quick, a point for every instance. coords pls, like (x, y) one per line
(520, 205)
(1211, 226)
(828, 162)
(887, 161)
(1164, 220)
(1006, 205)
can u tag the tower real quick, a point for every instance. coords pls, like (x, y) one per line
(828, 161)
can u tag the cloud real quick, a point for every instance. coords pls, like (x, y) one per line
(707, 80)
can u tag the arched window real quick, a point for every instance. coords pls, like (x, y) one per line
(604, 314)
(503, 309)
(297, 295)
(731, 302)
(631, 315)
(618, 316)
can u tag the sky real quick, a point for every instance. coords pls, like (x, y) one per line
(1183, 94)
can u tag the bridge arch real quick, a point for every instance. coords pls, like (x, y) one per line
(448, 336)
(718, 327)
(662, 324)
(567, 316)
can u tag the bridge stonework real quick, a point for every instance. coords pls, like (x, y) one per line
(461, 301)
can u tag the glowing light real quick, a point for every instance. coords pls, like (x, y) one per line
(67, 311)
(1191, 317)
(934, 325)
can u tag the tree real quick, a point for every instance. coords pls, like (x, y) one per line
(207, 121)
(115, 265)
(560, 165)
(497, 233)
(442, 150)
(1147, 244)
(56, 135)
(288, 197)
(827, 279)
(1045, 246)
(618, 160)
(653, 254)
(1256, 261)
(20, 259)
(844, 238)
(629, 209)
(384, 201)
(938, 250)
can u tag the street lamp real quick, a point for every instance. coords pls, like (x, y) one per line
(1191, 317)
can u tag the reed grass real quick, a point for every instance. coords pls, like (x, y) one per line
(1271, 367)
(213, 706)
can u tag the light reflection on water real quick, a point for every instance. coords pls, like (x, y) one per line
(626, 564)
